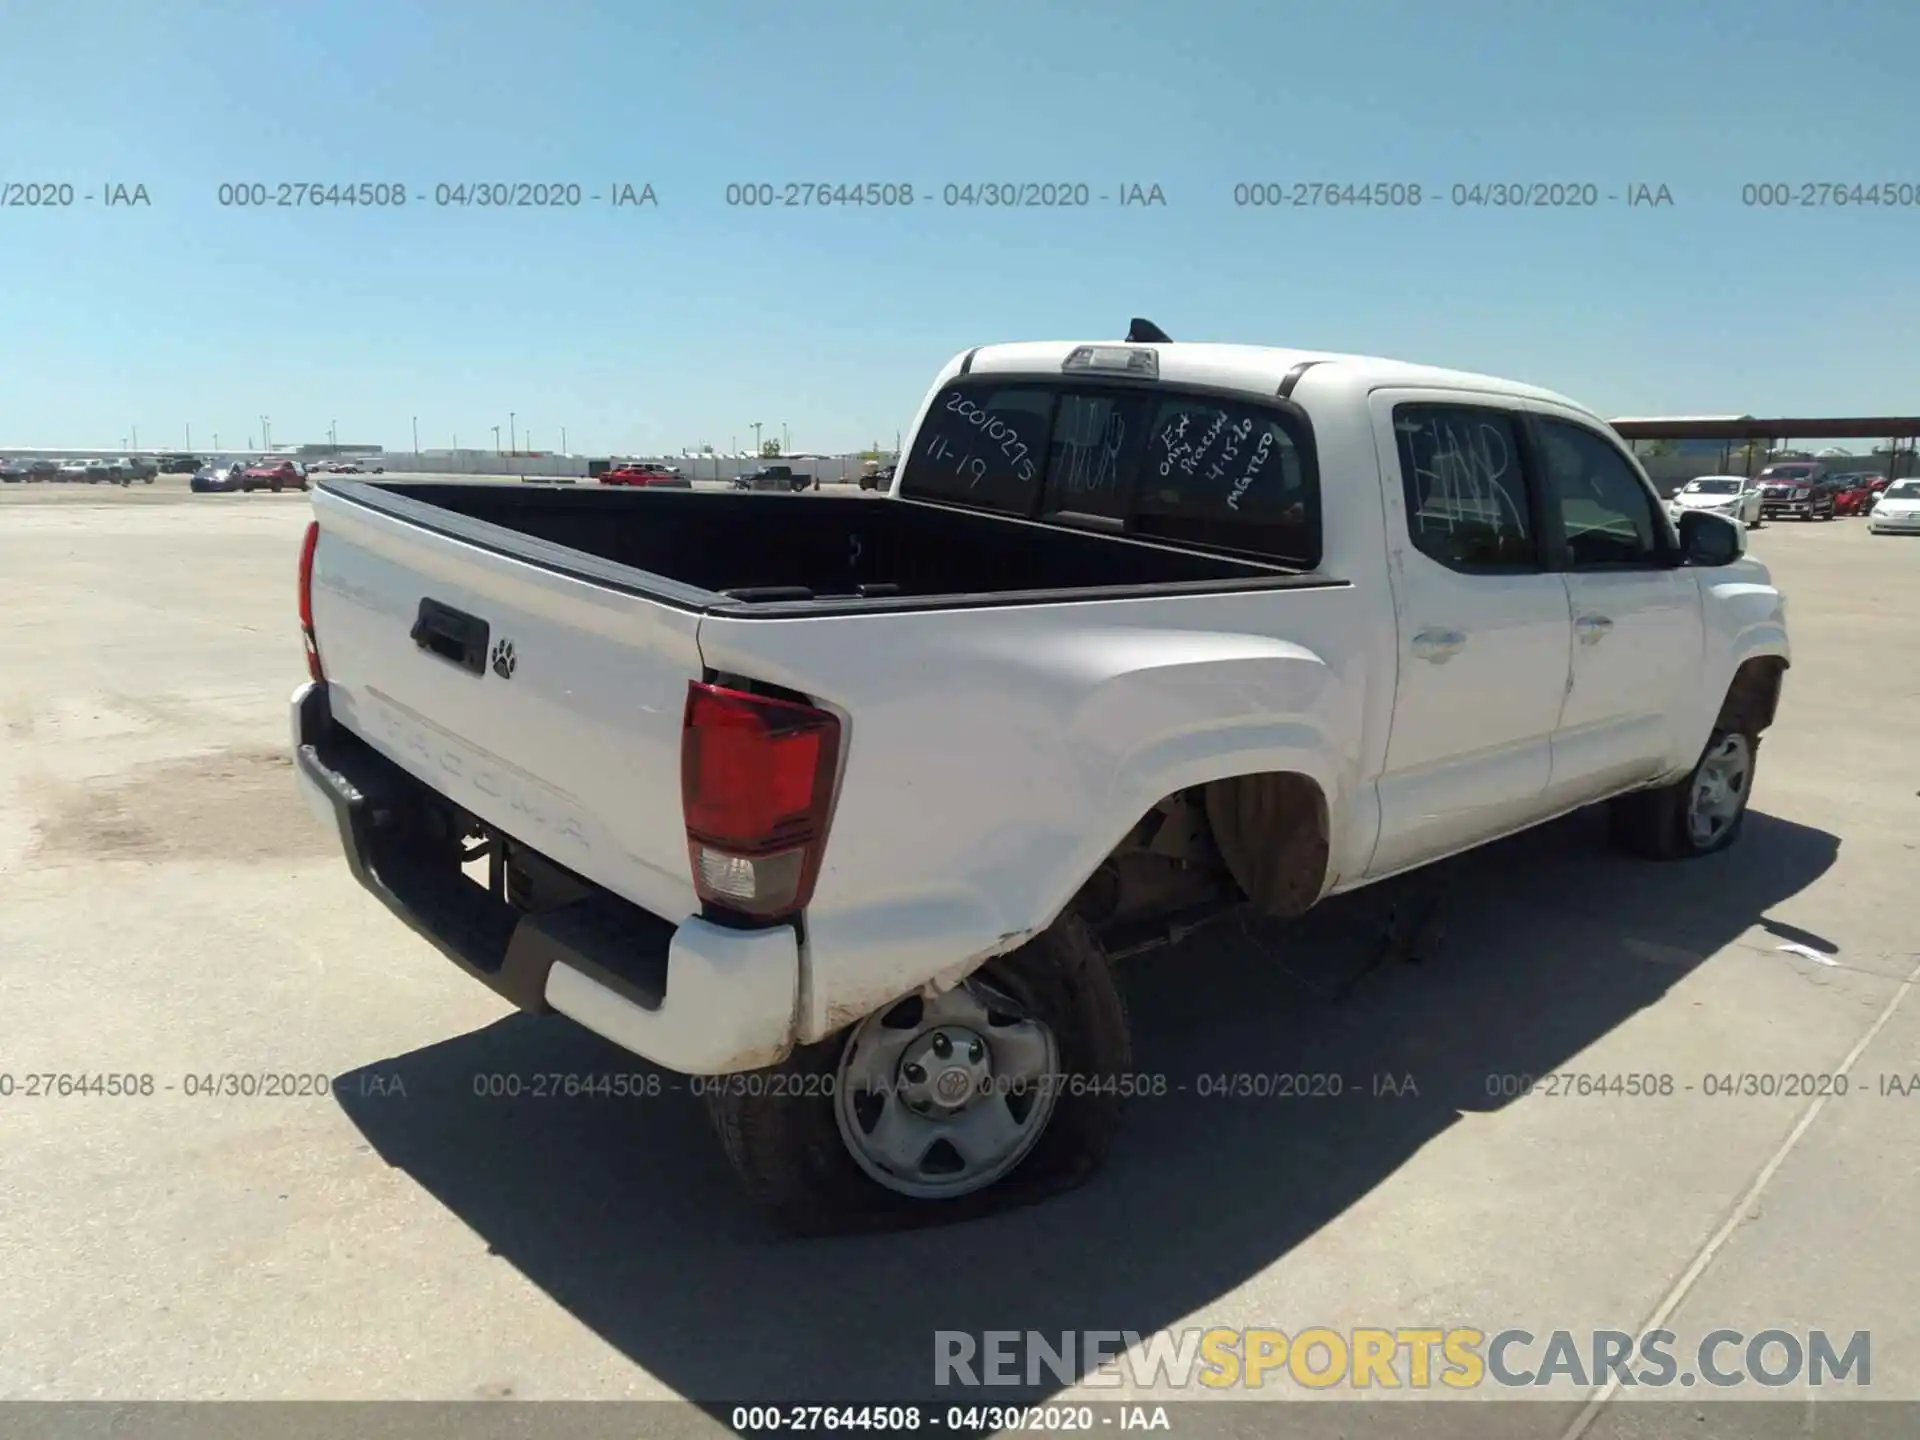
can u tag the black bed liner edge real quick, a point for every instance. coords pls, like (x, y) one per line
(625, 579)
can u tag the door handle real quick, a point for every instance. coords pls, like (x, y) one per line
(1439, 646)
(1592, 629)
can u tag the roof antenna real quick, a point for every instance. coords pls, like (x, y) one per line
(1145, 332)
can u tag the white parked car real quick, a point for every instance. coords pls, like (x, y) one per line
(1897, 512)
(77, 471)
(1734, 496)
(844, 805)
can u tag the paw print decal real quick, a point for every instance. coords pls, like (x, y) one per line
(503, 659)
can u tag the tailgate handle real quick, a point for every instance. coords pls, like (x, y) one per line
(452, 635)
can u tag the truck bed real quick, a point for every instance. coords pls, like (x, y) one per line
(728, 552)
(524, 653)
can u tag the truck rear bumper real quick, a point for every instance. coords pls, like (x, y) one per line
(697, 998)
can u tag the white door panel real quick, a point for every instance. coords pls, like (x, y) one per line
(1637, 638)
(1484, 657)
(1637, 646)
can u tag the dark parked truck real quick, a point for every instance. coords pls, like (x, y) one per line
(842, 807)
(774, 477)
(1796, 489)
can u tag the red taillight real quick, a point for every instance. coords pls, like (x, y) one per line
(307, 544)
(756, 786)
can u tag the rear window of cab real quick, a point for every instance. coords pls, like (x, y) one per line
(1221, 472)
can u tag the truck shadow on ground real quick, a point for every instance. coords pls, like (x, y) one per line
(625, 1213)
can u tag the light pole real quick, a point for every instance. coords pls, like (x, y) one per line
(136, 436)
(189, 437)
(416, 434)
(756, 438)
(563, 440)
(513, 434)
(786, 440)
(496, 440)
(333, 436)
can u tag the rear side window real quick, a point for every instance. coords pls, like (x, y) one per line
(1226, 474)
(982, 446)
(1465, 490)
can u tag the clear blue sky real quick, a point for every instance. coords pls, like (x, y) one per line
(655, 328)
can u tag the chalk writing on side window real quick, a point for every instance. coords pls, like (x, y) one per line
(1464, 474)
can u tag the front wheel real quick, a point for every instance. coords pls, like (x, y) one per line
(1000, 1091)
(1698, 815)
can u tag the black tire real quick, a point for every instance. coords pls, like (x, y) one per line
(274, 486)
(787, 1149)
(1652, 824)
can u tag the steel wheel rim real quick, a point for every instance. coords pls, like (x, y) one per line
(927, 1117)
(1719, 791)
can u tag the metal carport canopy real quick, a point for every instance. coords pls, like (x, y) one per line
(1746, 427)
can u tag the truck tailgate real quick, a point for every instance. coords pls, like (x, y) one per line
(545, 704)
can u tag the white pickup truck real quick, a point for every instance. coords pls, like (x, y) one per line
(843, 803)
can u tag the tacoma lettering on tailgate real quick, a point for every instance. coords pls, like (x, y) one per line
(426, 744)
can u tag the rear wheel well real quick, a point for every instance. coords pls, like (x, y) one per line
(1272, 833)
(1261, 838)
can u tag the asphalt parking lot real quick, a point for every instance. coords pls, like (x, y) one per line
(171, 910)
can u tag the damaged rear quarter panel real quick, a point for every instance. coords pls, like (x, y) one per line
(993, 756)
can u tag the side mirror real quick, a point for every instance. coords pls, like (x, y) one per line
(1711, 539)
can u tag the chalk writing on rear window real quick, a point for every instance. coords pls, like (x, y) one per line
(971, 464)
(1206, 457)
(1227, 473)
(982, 446)
(1095, 454)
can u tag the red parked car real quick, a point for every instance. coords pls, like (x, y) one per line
(1857, 493)
(636, 473)
(273, 475)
